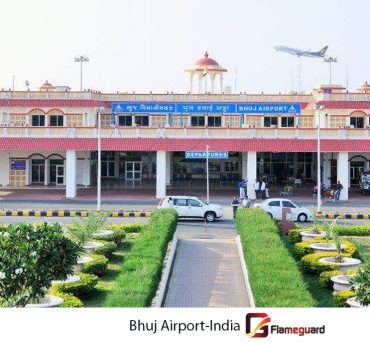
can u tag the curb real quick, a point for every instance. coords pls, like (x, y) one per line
(70, 213)
(167, 273)
(341, 215)
(245, 273)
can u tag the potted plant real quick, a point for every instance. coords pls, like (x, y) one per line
(308, 235)
(360, 284)
(83, 230)
(344, 263)
(32, 258)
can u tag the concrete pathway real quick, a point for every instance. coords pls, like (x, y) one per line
(207, 270)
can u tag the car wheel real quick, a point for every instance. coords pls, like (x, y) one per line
(270, 214)
(210, 216)
(302, 217)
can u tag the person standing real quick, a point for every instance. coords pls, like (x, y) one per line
(246, 202)
(267, 188)
(257, 187)
(242, 185)
(263, 189)
(235, 204)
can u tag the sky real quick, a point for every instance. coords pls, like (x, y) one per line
(145, 45)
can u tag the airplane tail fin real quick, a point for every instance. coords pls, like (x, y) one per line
(323, 50)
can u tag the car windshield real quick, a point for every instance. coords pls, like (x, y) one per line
(201, 201)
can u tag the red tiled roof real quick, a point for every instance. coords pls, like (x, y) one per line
(51, 103)
(176, 144)
(352, 105)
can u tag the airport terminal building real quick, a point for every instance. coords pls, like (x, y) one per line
(48, 138)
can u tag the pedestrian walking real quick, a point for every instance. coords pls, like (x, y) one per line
(257, 188)
(246, 202)
(338, 190)
(235, 204)
(242, 185)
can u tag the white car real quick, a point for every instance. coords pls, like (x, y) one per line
(274, 207)
(192, 207)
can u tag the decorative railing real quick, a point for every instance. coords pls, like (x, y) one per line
(185, 132)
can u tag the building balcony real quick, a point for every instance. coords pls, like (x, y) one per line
(186, 132)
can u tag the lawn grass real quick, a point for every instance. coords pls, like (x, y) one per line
(108, 284)
(275, 277)
(141, 270)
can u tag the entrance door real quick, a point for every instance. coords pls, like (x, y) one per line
(38, 171)
(133, 171)
(356, 167)
(60, 175)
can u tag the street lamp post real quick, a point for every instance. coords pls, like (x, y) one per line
(319, 108)
(99, 111)
(207, 167)
(81, 59)
(330, 60)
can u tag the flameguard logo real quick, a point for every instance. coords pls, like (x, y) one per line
(260, 327)
(263, 329)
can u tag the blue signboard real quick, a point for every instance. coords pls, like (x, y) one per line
(203, 154)
(143, 107)
(17, 165)
(267, 108)
(206, 107)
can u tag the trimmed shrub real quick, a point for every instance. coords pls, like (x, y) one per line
(80, 288)
(97, 267)
(128, 228)
(116, 237)
(294, 235)
(303, 248)
(324, 277)
(311, 264)
(69, 299)
(340, 298)
(142, 267)
(107, 249)
(274, 275)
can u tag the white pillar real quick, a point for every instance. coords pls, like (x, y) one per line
(343, 174)
(251, 173)
(86, 172)
(161, 174)
(191, 82)
(168, 168)
(47, 172)
(213, 76)
(71, 174)
(4, 168)
(221, 83)
(326, 174)
(200, 81)
(244, 166)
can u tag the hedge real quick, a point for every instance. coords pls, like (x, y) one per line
(303, 248)
(274, 275)
(324, 277)
(142, 266)
(98, 266)
(80, 288)
(311, 264)
(340, 298)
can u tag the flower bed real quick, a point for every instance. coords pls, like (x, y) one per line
(303, 248)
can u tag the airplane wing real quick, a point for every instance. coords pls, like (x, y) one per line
(289, 50)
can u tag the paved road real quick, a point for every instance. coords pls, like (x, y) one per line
(207, 270)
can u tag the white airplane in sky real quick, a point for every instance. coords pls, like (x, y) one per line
(299, 53)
